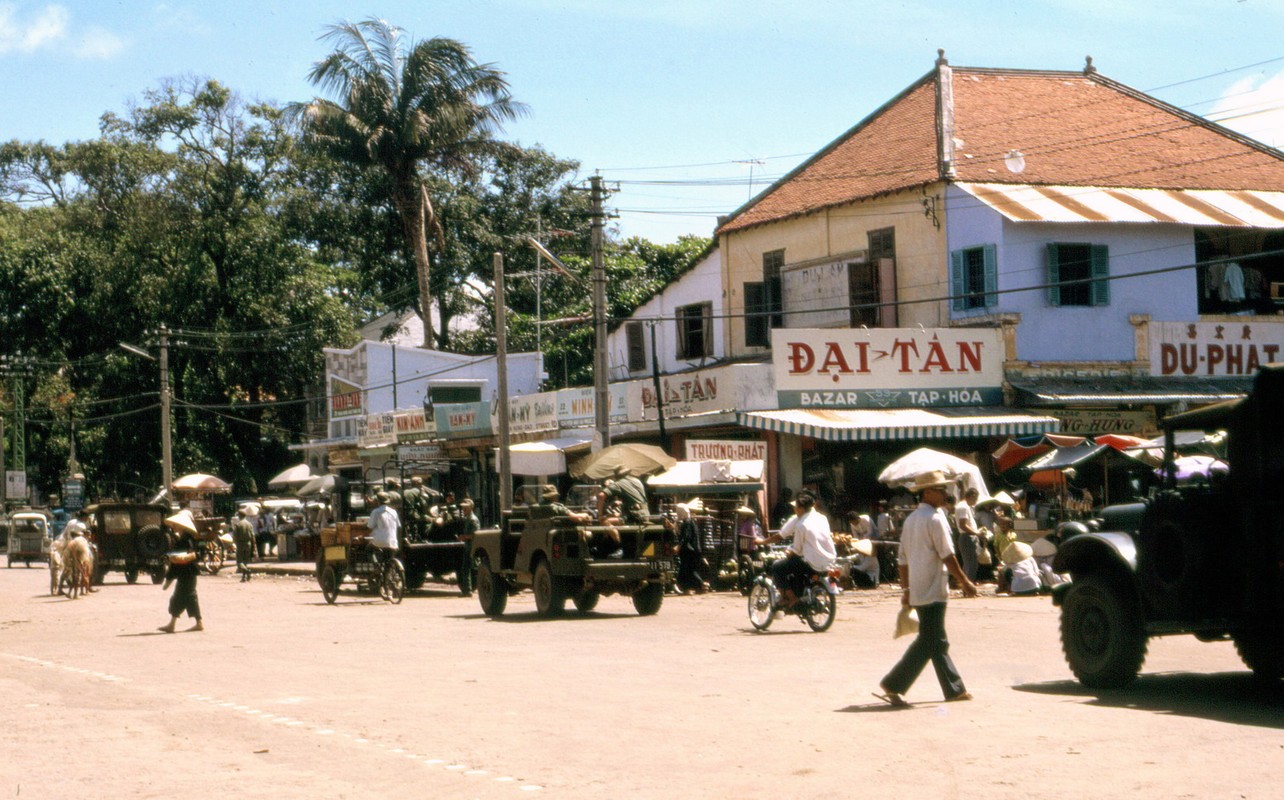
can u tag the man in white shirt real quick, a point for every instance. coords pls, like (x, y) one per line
(926, 555)
(811, 548)
(384, 524)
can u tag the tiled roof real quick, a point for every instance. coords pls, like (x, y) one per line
(1072, 128)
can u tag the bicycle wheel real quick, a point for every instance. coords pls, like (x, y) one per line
(762, 605)
(393, 586)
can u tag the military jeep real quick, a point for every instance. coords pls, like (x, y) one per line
(555, 557)
(130, 538)
(1203, 556)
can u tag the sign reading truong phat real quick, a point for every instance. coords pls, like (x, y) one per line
(887, 367)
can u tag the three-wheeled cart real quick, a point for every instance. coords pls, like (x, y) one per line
(346, 552)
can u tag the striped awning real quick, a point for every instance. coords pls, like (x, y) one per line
(898, 424)
(1229, 208)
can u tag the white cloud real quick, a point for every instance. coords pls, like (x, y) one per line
(1254, 106)
(29, 34)
(98, 43)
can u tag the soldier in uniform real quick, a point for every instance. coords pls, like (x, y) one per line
(412, 509)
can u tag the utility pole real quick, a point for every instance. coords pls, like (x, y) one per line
(167, 461)
(601, 392)
(501, 370)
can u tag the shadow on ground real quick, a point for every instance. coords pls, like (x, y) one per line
(1234, 697)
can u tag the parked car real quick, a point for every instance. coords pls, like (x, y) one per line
(28, 536)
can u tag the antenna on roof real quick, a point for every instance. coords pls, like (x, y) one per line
(940, 57)
(1088, 69)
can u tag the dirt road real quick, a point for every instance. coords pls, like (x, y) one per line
(286, 697)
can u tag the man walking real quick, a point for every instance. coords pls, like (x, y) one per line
(926, 553)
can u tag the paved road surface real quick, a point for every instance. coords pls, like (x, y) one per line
(287, 697)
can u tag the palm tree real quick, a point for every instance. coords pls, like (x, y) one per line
(400, 109)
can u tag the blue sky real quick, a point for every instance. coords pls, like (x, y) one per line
(683, 102)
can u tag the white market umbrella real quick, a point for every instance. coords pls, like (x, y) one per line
(905, 469)
(297, 475)
(200, 482)
(320, 484)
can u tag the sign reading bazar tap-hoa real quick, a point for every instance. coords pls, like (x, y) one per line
(887, 367)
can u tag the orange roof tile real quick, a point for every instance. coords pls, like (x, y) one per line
(1073, 129)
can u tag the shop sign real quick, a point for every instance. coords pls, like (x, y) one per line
(1091, 422)
(726, 450)
(887, 367)
(345, 399)
(575, 407)
(689, 393)
(1213, 349)
(376, 430)
(344, 455)
(73, 494)
(420, 452)
(413, 425)
(530, 413)
(462, 419)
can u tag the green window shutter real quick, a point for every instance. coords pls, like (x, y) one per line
(991, 256)
(1100, 271)
(1054, 274)
(958, 279)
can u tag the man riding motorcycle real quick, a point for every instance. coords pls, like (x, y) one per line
(811, 548)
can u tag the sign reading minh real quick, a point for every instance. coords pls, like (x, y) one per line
(887, 367)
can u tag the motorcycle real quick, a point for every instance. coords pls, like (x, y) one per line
(816, 606)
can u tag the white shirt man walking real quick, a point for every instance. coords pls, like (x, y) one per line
(926, 555)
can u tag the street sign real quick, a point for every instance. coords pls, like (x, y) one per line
(15, 482)
(73, 494)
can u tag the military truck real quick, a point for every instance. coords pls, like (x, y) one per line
(554, 556)
(1201, 556)
(130, 538)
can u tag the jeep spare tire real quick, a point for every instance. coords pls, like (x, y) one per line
(152, 542)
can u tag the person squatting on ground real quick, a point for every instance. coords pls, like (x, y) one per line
(926, 554)
(811, 548)
(690, 554)
(243, 538)
(183, 571)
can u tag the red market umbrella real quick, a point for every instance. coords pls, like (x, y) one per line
(1015, 452)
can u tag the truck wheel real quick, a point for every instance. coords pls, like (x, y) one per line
(1101, 633)
(550, 600)
(329, 584)
(158, 574)
(492, 590)
(131, 575)
(647, 600)
(586, 601)
(1262, 651)
(415, 578)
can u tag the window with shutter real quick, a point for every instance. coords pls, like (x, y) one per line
(757, 321)
(974, 278)
(694, 329)
(635, 335)
(1077, 274)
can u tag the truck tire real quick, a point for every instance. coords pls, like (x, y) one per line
(586, 600)
(1175, 558)
(550, 599)
(1101, 633)
(415, 578)
(1262, 651)
(648, 599)
(492, 590)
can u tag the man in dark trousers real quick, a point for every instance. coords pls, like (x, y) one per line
(243, 538)
(926, 554)
(183, 569)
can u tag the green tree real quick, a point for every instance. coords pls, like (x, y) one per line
(402, 108)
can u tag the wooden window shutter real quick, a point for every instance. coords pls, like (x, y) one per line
(1100, 272)
(1054, 274)
(991, 256)
(958, 279)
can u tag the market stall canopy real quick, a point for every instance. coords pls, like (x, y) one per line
(200, 482)
(297, 475)
(1119, 441)
(321, 484)
(709, 477)
(547, 457)
(1015, 452)
(1064, 457)
(638, 459)
(1151, 451)
(905, 469)
(1193, 468)
(897, 424)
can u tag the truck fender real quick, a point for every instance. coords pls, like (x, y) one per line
(1095, 552)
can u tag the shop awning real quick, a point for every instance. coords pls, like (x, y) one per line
(547, 457)
(1077, 204)
(1138, 390)
(898, 424)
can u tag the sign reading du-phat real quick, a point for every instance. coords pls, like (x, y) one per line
(887, 367)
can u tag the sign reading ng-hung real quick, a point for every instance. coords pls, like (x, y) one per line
(887, 367)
